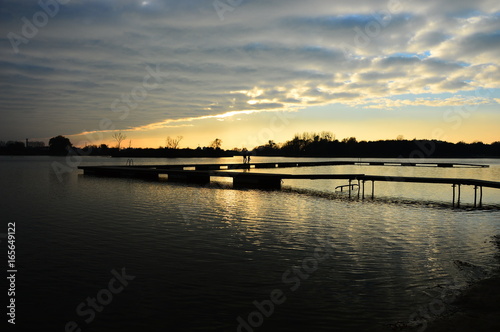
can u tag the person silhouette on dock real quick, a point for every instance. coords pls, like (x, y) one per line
(246, 157)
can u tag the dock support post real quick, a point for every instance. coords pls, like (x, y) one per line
(458, 198)
(475, 196)
(363, 197)
(350, 188)
(373, 189)
(359, 188)
(453, 201)
(481, 196)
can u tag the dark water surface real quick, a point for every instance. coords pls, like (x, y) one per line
(198, 257)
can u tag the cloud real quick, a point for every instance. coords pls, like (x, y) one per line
(264, 56)
(386, 103)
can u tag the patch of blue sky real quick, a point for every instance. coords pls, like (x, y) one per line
(332, 21)
(477, 93)
(340, 112)
(481, 92)
(410, 96)
(421, 56)
(403, 55)
(463, 64)
(469, 13)
(425, 54)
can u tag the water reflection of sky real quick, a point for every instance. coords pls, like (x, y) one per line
(210, 251)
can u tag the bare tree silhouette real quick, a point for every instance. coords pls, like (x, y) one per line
(119, 137)
(173, 143)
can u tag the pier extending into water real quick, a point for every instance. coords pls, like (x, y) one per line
(202, 173)
(222, 166)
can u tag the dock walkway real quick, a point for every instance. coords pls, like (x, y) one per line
(301, 164)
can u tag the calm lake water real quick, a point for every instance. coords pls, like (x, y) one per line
(206, 258)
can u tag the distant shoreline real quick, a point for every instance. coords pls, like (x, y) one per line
(307, 145)
(224, 153)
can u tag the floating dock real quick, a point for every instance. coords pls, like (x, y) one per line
(202, 173)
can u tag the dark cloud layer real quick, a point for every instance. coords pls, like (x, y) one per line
(65, 77)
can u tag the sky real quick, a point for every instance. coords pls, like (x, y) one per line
(248, 71)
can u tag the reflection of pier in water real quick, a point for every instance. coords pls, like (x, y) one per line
(201, 173)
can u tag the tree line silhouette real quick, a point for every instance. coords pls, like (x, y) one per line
(61, 146)
(323, 144)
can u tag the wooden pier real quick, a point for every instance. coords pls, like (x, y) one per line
(202, 173)
(295, 164)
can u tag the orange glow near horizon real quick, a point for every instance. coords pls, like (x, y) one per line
(249, 130)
